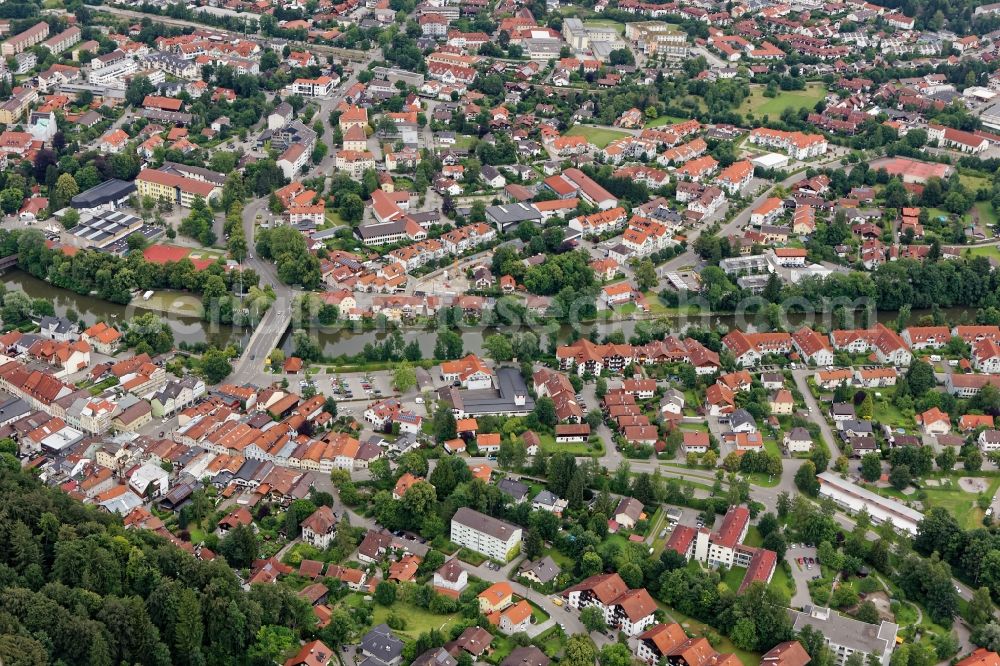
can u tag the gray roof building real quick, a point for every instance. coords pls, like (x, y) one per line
(510, 215)
(515, 489)
(846, 636)
(526, 656)
(112, 192)
(381, 644)
(544, 570)
(480, 522)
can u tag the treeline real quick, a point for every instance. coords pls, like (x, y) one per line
(77, 588)
(115, 278)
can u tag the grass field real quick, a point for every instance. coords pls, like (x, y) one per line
(579, 449)
(418, 620)
(598, 136)
(665, 120)
(987, 216)
(760, 106)
(990, 251)
(973, 183)
(605, 23)
(959, 503)
(333, 217)
(734, 577)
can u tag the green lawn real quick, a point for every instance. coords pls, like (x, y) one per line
(598, 136)
(463, 142)
(959, 503)
(987, 216)
(973, 183)
(760, 106)
(418, 620)
(989, 251)
(549, 445)
(782, 580)
(665, 120)
(888, 414)
(734, 577)
(754, 538)
(564, 561)
(605, 23)
(333, 217)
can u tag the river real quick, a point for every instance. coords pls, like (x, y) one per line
(350, 339)
(91, 309)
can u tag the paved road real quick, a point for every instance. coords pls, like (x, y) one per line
(570, 620)
(816, 411)
(689, 258)
(272, 326)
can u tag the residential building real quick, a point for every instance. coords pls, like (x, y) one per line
(846, 636)
(494, 538)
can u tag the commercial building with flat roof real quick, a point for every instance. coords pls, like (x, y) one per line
(852, 497)
(107, 196)
(103, 229)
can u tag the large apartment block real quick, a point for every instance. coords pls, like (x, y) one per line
(24, 40)
(179, 190)
(496, 539)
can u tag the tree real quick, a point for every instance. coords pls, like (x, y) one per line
(645, 275)
(946, 459)
(534, 546)
(444, 424)
(137, 89)
(273, 644)
(215, 365)
(973, 461)
(239, 546)
(16, 308)
(900, 477)
(10, 200)
(980, 609)
(615, 654)
(920, 378)
(385, 593)
(448, 345)
(404, 378)
(867, 612)
(590, 564)
(579, 651)
(871, 467)
(866, 410)
(499, 347)
(66, 188)
(545, 411)
(805, 478)
(351, 207)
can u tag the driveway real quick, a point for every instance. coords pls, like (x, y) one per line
(801, 574)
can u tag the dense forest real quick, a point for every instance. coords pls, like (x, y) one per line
(76, 588)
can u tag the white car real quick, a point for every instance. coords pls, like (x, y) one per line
(419, 400)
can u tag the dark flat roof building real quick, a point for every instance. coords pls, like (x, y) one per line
(109, 195)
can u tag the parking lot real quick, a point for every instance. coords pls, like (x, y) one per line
(348, 387)
(804, 566)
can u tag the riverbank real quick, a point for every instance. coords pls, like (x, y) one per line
(171, 302)
(89, 310)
